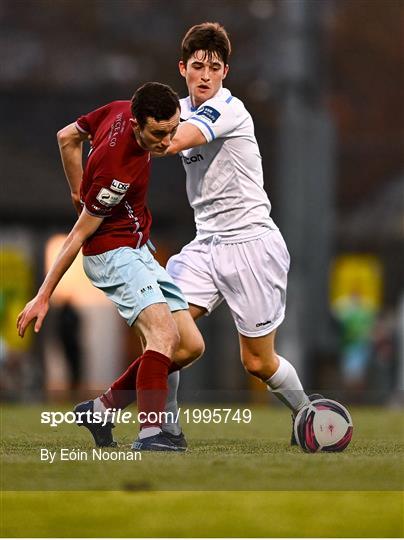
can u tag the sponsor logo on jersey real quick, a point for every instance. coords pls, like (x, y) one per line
(109, 198)
(192, 159)
(117, 128)
(121, 187)
(210, 113)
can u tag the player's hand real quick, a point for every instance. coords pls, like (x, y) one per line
(37, 309)
(76, 203)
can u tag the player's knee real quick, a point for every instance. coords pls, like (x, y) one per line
(196, 347)
(166, 341)
(190, 351)
(253, 364)
(261, 367)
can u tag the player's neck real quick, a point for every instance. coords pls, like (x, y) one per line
(196, 103)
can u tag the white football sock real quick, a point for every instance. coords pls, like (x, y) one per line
(149, 432)
(171, 404)
(101, 408)
(286, 386)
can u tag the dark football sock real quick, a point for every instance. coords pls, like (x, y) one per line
(122, 391)
(152, 388)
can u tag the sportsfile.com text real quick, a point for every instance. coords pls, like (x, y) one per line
(116, 416)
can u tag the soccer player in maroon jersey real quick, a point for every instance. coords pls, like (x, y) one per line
(113, 231)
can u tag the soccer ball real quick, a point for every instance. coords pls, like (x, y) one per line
(323, 425)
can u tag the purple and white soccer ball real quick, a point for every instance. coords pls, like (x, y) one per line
(323, 425)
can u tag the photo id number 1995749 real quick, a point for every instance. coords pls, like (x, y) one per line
(216, 416)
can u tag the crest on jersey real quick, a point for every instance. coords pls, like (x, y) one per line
(209, 112)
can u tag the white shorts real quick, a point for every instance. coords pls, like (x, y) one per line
(251, 276)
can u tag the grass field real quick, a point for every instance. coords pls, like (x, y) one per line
(235, 480)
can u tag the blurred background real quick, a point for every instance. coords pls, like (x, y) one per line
(323, 80)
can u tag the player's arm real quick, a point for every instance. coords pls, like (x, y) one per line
(70, 141)
(187, 136)
(38, 307)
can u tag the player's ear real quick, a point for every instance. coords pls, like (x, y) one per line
(134, 123)
(226, 70)
(182, 67)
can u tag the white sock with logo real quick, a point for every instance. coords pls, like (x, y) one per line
(286, 386)
(171, 405)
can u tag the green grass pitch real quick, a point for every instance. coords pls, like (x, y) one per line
(235, 480)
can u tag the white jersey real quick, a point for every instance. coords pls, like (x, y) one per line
(225, 183)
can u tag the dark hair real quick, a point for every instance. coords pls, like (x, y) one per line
(156, 100)
(209, 37)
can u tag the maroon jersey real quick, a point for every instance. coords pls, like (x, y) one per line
(115, 180)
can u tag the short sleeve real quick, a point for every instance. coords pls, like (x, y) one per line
(216, 118)
(105, 196)
(88, 123)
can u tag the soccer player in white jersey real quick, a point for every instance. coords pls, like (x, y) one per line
(238, 254)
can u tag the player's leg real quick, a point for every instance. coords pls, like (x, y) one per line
(190, 272)
(191, 348)
(188, 276)
(126, 278)
(159, 332)
(122, 391)
(260, 359)
(191, 345)
(252, 276)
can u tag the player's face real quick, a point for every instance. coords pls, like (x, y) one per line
(156, 135)
(203, 76)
